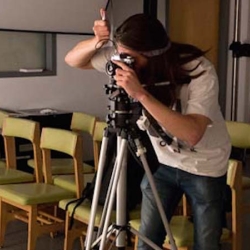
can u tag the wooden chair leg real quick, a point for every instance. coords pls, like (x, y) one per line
(3, 222)
(136, 242)
(70, 235)
(32, 228)
(82, 238)
(5, 218)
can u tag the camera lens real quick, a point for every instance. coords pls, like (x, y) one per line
(125, 58)
(110, 68)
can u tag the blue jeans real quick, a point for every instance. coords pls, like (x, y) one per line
(205, 195)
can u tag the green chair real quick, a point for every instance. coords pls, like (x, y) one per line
(183, 230)
(239, 133)
(67, 180)
(82, 213)
(80, 123)
(3, 114)
(13, 128)
(34, 203)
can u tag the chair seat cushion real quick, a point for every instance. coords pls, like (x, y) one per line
(34, 193)
(83, 211)
(135, 223)
(182, 230)
(64, 166)
(65, 181)
(8, 176)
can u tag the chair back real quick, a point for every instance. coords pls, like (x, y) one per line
(82, 122)
(67, 142)
(97, 140)
(234, 180)
(239, 133)
(3, 114)
(25, 129)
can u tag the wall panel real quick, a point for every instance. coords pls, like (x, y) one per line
(196, 22)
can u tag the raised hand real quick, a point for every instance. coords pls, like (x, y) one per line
(102, 28)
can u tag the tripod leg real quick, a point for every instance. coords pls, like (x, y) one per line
(121, 204)
(145, 239)
(120, 158)
(141, 152)
(121, 218)
(94, 205)
(107, 200)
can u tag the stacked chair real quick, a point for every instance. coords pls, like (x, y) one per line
(3, 114)
(81, 214)
(62, 167)
(13, 128)
(183, 230)
(80, 123)
(34, 202)
(239, 133)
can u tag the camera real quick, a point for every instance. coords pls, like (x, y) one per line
(123, 57)
(123, 110)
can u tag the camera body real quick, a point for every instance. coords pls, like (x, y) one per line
(123, 57)
(123, 110)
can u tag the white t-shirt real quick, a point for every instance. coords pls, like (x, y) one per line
(200, 96)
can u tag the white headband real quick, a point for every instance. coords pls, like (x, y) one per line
(156, 52)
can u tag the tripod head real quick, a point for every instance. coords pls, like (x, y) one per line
(124, 111)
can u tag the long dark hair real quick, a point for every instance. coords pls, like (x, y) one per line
(146, 35)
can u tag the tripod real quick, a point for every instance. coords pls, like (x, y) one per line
(118, 186)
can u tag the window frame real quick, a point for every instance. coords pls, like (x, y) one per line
(50, 64)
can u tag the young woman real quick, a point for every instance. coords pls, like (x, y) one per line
(178, 88)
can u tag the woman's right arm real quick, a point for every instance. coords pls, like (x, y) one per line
(80, 56)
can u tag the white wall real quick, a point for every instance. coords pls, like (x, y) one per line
(61, 15)
(71, 89)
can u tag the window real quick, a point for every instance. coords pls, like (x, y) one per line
(25, 53)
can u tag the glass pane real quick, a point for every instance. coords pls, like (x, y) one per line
(22, 50)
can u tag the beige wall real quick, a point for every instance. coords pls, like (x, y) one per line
(196, 22)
